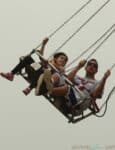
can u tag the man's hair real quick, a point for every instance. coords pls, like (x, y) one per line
(56, 55)
(94, 61)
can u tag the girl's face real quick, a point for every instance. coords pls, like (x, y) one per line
(61, 60)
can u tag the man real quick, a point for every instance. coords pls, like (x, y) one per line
(89, 85)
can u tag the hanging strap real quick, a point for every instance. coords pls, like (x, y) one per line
(65, 22)
(86, 22)
(90, 47)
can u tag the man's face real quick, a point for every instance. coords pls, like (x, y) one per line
(91, 67)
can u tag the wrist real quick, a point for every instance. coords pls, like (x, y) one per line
(78, 67)
(104, 78)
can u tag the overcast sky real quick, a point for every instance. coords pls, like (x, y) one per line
(30, 122)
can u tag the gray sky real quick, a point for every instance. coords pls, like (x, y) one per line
(30, 122)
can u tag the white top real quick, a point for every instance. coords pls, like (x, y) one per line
(86, 85)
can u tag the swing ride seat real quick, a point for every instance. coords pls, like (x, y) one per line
(73, 115)
(78, 113)
(60, 102)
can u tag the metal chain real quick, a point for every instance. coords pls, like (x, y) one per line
(95, 50)
(90, 47)
(87, 21)
(100, 44)
(66, 21)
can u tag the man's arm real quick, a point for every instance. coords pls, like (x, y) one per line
(98, 91)
(76, 69)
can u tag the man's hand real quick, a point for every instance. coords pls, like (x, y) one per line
(45, 41)
(107, 74)
(82, 63)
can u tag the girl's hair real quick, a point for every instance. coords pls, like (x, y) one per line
(56, 55)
